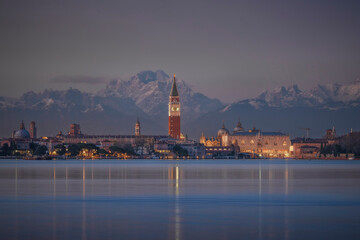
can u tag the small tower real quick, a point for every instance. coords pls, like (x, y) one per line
(202, 139)
(74, 130)
(22, 126)
(239, 127)
(137, 128)
(174, 112)
(33, 130)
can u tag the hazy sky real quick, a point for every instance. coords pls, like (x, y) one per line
(226, 49)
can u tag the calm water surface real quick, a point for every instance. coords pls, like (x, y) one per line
(189, 199)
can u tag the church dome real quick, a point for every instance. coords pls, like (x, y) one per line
(22, 133)
(222, 131)
(238, 127)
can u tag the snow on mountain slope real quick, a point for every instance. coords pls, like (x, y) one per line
(329, 96)
(150, 91)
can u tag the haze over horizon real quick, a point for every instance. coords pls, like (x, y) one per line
(229, 50)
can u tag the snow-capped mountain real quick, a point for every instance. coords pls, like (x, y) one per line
(329, 96)
(338, 95)
(68, 101)
(150, 91)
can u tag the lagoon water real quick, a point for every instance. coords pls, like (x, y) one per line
(186, 199)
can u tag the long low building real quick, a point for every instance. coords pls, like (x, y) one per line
(267, 144)
(122, 139)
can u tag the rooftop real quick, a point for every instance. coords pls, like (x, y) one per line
(261, 134)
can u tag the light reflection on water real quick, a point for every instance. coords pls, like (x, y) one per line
(146, 199)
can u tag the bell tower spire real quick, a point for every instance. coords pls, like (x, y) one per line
(174, 111)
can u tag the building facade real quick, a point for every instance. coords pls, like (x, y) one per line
(253, 141)
(308, 148)
(174, 112)
(266, 144)
(75, 129)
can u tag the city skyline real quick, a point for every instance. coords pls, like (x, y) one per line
(163, 119)
(145, 96)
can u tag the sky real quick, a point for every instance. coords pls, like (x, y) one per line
(229, 50)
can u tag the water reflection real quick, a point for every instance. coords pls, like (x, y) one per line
(54, 182)
(124, 179)
(174, 177)
(260, 207)
(83, 222)
(180, 200)
(83, 182)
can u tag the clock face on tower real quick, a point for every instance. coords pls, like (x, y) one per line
(175, 109)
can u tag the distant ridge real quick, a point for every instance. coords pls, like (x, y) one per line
(328, 96)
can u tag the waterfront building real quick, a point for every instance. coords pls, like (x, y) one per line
(266, 144)
(106, 144)
(165, 147)
(307, 147)
(21, 140)
(253, 141)
(174, 112)
(141, 143)
(75, 130)
(213, 145)
(209, 142)
(219, 151)
(311, 147)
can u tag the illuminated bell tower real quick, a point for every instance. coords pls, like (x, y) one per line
(174, 112)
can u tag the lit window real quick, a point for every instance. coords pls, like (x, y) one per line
(252, 142)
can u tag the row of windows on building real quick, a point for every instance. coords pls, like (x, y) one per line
(252, 142)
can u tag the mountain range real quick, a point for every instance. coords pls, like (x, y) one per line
(114, 110)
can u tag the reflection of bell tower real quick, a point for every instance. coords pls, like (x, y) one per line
(174, 112)
(137, 128)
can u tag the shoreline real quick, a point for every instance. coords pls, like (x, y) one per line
(175, 159)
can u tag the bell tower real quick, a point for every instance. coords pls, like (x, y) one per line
(174, 112)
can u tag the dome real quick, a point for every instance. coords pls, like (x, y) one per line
(238, 127)
(22, 133)
(222, 131)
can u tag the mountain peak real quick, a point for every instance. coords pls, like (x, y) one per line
(150, 91)
(150, 76)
